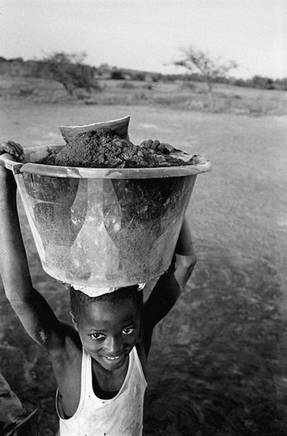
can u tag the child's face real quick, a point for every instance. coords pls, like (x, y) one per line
(109, 331)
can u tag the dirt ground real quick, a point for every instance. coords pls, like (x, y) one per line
(218, 360)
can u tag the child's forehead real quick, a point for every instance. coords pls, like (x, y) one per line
(105, 311)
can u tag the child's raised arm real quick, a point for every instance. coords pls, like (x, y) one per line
(32, 309)
(170, 284)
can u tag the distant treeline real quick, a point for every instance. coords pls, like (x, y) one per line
(42, 69)
(260, 82)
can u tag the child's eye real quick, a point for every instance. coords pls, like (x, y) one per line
(128, 330)
(96, 336)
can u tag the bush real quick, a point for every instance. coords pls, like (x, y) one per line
(117, 74)
(138, 76)
(263, 82)
(147, 86)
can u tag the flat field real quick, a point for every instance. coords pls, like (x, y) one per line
(218, 360)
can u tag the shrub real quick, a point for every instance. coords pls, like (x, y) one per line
(147, 86)
(117, 74)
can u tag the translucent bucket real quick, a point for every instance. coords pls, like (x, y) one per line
(99, 229)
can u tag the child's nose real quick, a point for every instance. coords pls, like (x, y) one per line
(114, 345)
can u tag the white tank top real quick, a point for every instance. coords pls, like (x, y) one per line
(118, 416)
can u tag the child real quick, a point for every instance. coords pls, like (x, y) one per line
(99, 364)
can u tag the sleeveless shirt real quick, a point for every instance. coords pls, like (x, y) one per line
(118, 416)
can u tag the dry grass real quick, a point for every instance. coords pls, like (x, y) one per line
(179, 95)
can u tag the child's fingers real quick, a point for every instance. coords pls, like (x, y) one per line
(5, 148)
(168, 147)
(147, 143)
(17, 147)
(12, 148)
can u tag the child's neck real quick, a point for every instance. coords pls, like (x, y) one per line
(106, 384)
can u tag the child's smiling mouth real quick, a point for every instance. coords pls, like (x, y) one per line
(118, 359)
(113, 357)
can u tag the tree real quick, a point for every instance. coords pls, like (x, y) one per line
(210, 68)
(70, 71)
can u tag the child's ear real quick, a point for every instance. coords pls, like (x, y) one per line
(74, 320)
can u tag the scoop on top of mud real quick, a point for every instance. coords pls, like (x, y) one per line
(107, 145)
(103, 148)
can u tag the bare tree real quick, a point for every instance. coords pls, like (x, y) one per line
(211, 69)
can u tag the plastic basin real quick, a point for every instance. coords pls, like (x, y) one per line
(100, 229)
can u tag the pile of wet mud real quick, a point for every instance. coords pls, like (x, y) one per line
(105, 149)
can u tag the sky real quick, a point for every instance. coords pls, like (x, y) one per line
(149, 34)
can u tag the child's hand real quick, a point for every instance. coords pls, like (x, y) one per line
(16, 153)
(156, 145)
(13, 148)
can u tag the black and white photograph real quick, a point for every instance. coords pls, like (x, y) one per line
(143, 217)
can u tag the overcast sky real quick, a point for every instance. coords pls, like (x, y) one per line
(148, 34)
